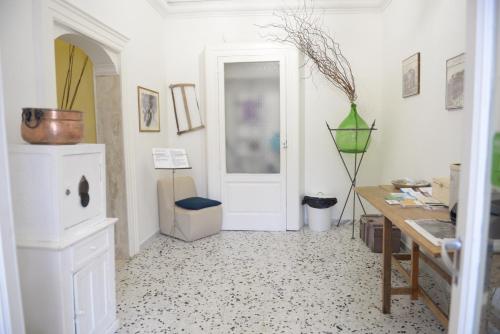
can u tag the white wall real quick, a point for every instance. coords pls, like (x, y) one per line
(360, 37)
(420, 138)
(28, 62)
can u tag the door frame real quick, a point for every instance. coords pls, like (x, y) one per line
(294, 151)
(11, 311)
(473, 218)
(60, 17)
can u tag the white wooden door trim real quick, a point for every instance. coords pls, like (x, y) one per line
(11, 312)
(473, 218)
(60, 17)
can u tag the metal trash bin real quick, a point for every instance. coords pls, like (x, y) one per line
(319, 211)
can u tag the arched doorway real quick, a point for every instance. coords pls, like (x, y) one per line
(99, 97)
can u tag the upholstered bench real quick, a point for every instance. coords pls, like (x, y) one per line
(195, 217)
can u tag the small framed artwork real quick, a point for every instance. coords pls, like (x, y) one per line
(186, 109)
(149, 110)
(455, 73)
(411, 75)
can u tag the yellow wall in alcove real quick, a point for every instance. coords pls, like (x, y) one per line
(84, 101)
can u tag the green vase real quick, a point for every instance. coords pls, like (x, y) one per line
(352, 141)
(495, 168)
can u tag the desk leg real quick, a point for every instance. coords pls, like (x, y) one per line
(387, 266)
(415, 253)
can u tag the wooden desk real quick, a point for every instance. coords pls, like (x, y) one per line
(397, 216)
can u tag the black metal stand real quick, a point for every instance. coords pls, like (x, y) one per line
(173, 169)
(354, 175)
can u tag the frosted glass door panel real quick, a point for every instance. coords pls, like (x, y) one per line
(252, 117)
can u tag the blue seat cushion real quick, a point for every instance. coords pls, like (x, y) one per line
(196, 203)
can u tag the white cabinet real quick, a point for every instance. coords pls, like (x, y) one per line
(65, 242)
(57, 190)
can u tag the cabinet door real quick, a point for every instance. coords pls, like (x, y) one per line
(84, 322)
(93, 307)
(81, 173)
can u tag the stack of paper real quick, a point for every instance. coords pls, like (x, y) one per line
(410, 203)
(396, 198)
(421, 197)
(409, 198)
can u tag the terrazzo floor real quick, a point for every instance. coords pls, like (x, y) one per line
(262, 282)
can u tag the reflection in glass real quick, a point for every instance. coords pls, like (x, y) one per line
(490, 317)
(252, 117)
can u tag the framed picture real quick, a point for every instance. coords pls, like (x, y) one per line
(186, 109)
(455, 72)
(149, 110)
(411, 75)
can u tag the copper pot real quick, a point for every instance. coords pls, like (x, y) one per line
(52, 126)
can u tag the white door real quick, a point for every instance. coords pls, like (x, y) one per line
(475, 303)
(252, 125)
(254, 128)
(92, 296)
(84, 313)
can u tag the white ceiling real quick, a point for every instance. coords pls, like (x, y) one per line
(221, 7)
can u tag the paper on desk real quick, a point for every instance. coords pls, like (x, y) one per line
(427, 200)
(410, 192)
(426, 190)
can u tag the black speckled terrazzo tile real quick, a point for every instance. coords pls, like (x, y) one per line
(262, 282)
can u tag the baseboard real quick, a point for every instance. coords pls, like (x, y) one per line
(144, 244)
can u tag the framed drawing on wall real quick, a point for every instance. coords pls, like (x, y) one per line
(411, 75)
(149, 110)
(186, 109)
(455, 73)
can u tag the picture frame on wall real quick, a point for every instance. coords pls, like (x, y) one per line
(411, 75)
(186, 108)
(149, 109)
(455, 80)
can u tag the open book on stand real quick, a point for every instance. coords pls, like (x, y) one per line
(170, 158)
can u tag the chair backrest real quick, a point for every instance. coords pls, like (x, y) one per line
(184, 188)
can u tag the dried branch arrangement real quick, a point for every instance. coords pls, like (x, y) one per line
(65, 100)
(303, 29)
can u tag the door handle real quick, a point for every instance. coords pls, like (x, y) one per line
(284, 144)
(451, 245)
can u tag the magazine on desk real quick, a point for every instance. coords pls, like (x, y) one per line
(433, 230)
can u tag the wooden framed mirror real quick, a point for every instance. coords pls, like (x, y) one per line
(186, 108)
